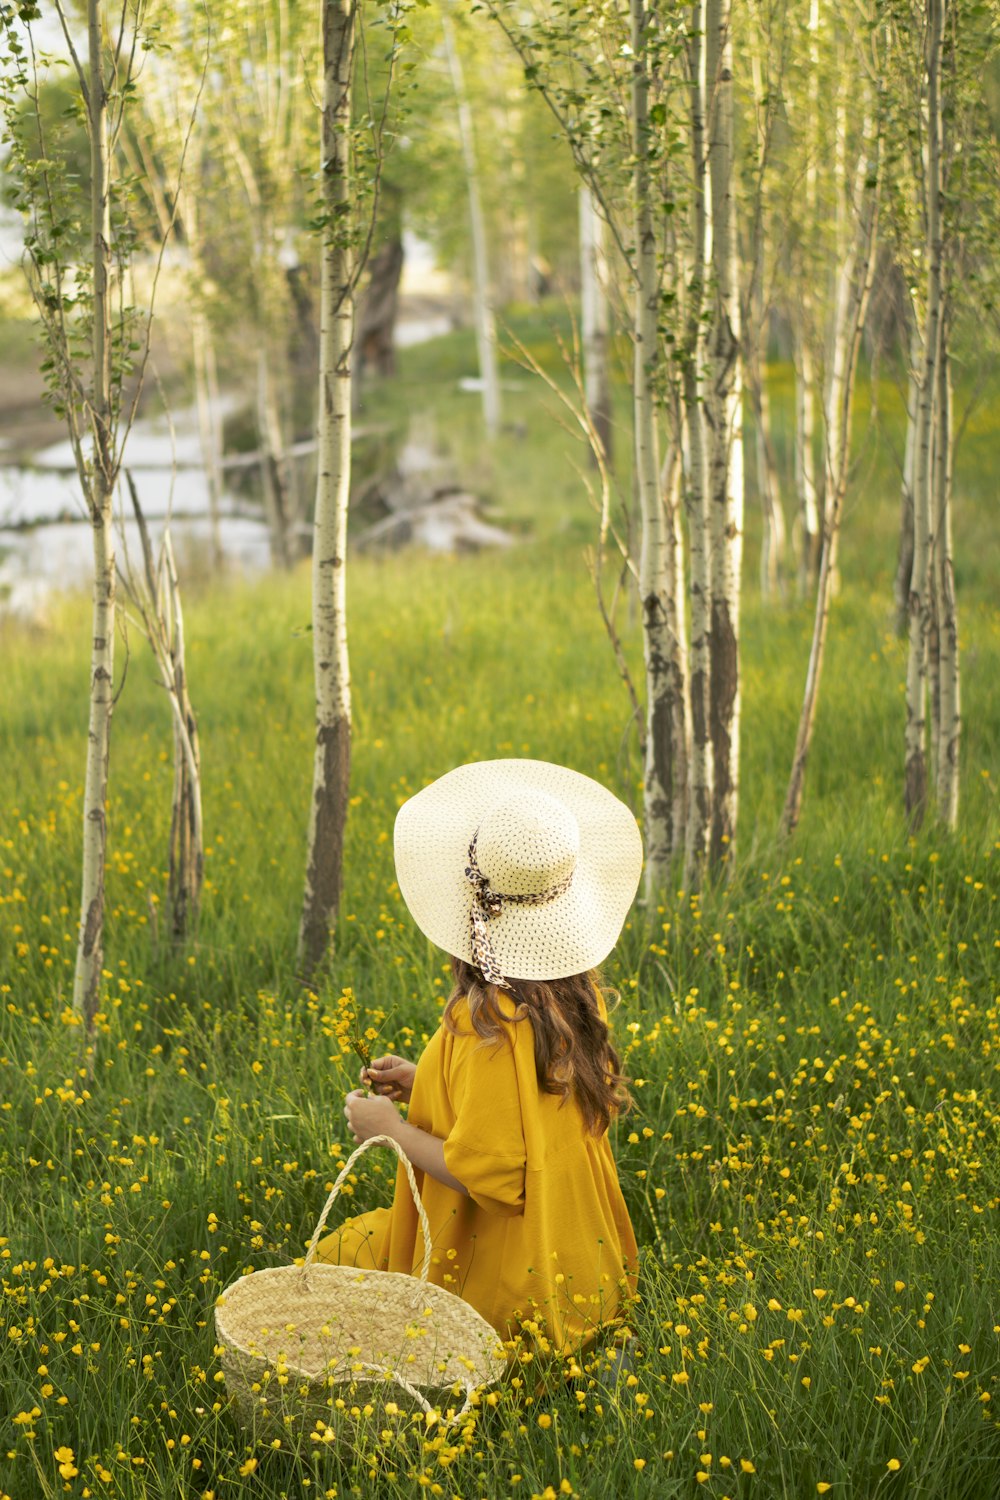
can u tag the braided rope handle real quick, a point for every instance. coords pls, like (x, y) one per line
(418, 1396)
(374, 1140)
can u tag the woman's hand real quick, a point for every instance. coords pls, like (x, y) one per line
(367, 1115)
(391, 1077)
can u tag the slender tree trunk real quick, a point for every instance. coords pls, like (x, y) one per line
(805, 462)
(699, 801)
(725, 414)
(845, 262)
(159, 605)
(331, 767)
(904, 565)
(933, 629)
(654, 566)
(671, 481)
(950, 726)
(187, 843)
(486, 339)
(594, 318)
(921, 591)
(90, 944)
(837, 468)
(803, 332)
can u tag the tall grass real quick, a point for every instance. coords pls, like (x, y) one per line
(812, 1166)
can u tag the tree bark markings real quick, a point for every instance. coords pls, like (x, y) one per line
(659, 647)
(98, 487)
(920, 599)
(805, 378)
(331, 765)
(950, 719)
(725, 421)
(699, 808)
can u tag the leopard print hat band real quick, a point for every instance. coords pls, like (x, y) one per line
(487, 903)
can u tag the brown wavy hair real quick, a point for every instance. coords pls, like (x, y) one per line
(574, 1053)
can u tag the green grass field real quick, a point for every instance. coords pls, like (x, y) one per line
(812, 1166)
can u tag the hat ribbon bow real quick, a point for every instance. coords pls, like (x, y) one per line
(487, 903)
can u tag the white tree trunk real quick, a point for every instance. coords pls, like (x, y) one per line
(486, 339)
(845, 260)
(331, 766)
(921, 591)
(803, 333)
(834, 413)
(654, 566)
(950, 724)
(904, 565)
(594, 317)
(725, 417)
(699, 802)
(99, 492)
(671, 481)
(805, 463)
(187, 841)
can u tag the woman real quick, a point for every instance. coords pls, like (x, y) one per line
(524, 872)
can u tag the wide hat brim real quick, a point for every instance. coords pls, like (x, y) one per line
(570, 934)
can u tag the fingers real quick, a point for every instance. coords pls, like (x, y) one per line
(348, 1110)
(386, 1090)
(386, 1066)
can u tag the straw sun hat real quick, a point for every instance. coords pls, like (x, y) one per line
(524, 868)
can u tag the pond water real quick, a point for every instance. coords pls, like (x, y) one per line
(45, 538)
(46, 541)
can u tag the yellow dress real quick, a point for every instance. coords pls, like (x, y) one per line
(544, 1236)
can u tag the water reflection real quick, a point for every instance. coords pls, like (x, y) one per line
(45, 536)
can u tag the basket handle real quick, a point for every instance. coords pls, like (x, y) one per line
(418, 1395)
(375, 1140)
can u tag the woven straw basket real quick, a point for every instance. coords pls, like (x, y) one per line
(327, 1347)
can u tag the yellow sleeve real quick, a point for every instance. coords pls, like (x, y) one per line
(485, 1148)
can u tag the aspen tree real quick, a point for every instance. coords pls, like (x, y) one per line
(943, 220)
(949, 726)
(920, 597)
(802, 330)
(482, 297)
(155, 592)
(904, 564)
(91, 334)
(655, 553)
(678, 670)
(594, 316)
(332, 760)
(725, 423)
(699, 818)
(99, 477)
